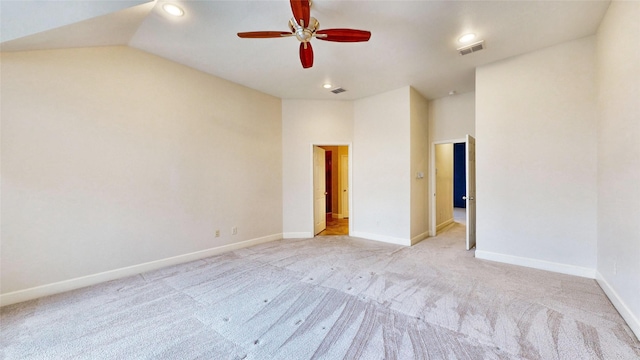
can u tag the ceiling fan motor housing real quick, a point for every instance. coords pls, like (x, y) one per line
(304, 34)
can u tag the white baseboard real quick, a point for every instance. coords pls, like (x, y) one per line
(382, 238)
(417, 239)
(80, 282)
(538, 264)
(297, 235)
(444, 225)
(631, 319)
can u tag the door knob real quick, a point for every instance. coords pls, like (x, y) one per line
(467, 198)
(464, 197)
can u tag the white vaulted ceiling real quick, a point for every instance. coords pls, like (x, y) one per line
(412, 43)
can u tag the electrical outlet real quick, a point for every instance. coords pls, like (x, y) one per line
(234, 231)
(217, 233)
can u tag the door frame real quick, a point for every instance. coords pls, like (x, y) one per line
(342, 211)
(319, 189)
(350, 182)
(432, 181)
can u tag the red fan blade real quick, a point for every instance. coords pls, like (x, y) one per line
(306, 55)
(263, 34)
(301, 11)
(343, 35)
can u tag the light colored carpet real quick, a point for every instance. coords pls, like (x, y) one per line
(327, 298)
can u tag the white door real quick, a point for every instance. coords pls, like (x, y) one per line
(319, 188)
(471, 191)
(344, 184)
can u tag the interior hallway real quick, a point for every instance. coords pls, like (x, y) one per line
(335, 226)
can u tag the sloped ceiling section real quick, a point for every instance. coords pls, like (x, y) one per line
(115, 28)
(23, 18)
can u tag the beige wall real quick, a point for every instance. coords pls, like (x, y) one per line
(382, 167)
(536, 120)
(386, 152)
(619, 159)
(112, 158)
(419, 165)
(444, 185)
(306, 122)
(452, 117)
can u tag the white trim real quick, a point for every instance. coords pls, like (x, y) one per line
(538, 264)
(444, 225)
(417, 239)
(297, 235)
(382, 238)
(619, 304)
(83, 281)
(341, 166)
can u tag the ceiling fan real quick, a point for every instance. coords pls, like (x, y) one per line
(304, 27)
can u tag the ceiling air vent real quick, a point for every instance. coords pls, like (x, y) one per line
(338, 90)
(465, 50)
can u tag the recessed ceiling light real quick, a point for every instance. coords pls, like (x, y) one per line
(174, 10)
(466, 38)
(327, 86)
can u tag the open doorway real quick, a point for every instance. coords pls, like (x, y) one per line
(331, 190)
(444, 186)
(453, 184)
(459, 183)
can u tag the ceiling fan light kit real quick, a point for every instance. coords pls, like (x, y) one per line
(304, 28)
